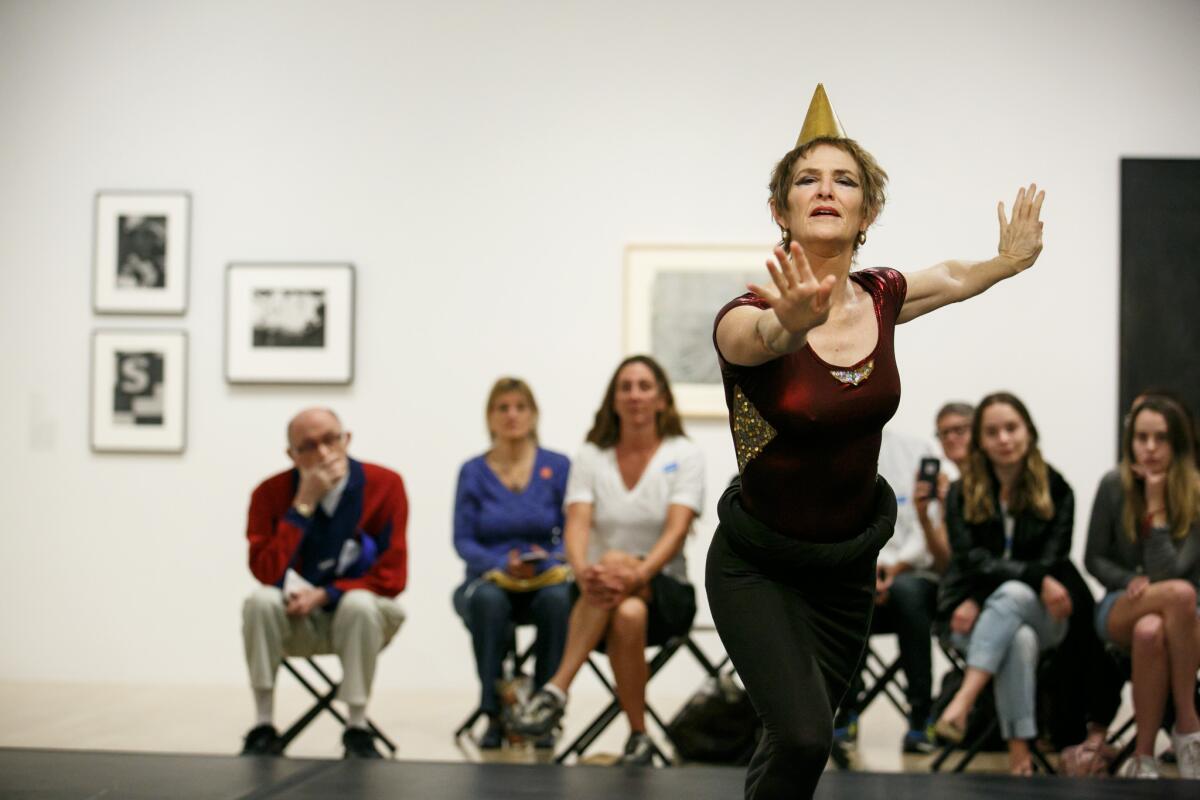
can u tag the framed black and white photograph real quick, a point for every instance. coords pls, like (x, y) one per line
(139, 391)
(140, 259)
(672, 295)
(289, 323)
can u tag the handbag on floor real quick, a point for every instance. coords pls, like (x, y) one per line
(718, 725)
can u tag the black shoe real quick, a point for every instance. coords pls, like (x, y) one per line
(493, 737)
(360, 743)
(262, 741)
(539, 716)
(547, 741)
(639, 751)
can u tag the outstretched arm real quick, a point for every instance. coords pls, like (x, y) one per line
(955, 281)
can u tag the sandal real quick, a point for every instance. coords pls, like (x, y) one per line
(949, 731)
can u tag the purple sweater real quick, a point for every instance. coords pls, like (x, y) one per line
(490, 519)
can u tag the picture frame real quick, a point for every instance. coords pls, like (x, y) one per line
(671, 298)
(140, 251)
(139, 391)
(289, 323)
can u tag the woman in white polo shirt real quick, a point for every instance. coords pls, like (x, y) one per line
(633, 492)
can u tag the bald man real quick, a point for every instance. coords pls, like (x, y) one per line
(327, 543)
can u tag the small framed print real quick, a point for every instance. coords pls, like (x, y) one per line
(140, 258)
(139, 391)
(289, 323)
(672, 295)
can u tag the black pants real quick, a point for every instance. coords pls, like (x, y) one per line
(794, 618)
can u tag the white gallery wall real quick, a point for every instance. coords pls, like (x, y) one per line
(484, 165)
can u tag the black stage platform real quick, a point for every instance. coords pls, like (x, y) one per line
(53, 774)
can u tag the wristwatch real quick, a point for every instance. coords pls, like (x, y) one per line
(304, 509)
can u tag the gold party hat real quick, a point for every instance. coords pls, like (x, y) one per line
(820, 120)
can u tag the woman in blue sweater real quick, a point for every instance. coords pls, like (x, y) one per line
(508, 518)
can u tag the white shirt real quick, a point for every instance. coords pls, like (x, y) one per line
(899, 459)
(631, 520)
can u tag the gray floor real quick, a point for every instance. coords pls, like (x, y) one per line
(54, 774)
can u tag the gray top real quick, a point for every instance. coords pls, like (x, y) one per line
(1114, 560)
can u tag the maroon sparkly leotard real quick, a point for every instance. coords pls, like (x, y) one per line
(807, 432)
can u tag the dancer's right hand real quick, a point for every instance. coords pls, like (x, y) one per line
(799, 300)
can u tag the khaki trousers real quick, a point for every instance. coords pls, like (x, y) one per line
(356, 631)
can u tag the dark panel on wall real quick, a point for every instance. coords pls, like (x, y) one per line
(1160, 278)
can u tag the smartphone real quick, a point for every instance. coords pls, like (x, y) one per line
(533, 556)
(928, 472)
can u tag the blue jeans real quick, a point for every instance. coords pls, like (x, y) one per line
(488, 611)
(1012, 630)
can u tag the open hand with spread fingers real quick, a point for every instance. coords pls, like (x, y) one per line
(1021, 236)
(799, 300)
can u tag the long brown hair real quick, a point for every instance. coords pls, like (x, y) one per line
(606, 430)
(1032, 490)
(874, 179)
(1183, 481)
(504, 386)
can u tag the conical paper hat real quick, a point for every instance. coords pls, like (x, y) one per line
(820, 121)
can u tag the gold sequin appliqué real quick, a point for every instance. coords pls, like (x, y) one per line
(751, 433)
(854, 376)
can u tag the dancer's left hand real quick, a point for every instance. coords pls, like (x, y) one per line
(1021, 236)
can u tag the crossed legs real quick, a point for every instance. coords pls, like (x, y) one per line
(623, 629)
(1162, 630)
(1011, 631)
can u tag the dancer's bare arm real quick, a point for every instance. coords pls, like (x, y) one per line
(955, 281)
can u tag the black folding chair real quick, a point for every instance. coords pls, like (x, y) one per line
(876, 677)
(971, 748)
(514, 661)
(598, 725)
(324, 702)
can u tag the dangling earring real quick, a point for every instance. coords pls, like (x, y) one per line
(784, 236)
(862, 238)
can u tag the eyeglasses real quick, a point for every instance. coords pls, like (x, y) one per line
(329, 441)
(953, 430)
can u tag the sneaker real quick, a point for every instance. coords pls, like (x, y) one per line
(639, 751)
(1187, 754)
(918, 741)
(262, 741)
(1139, 767)
(845, 732)
(538, 716)
(359, 743)
(493, 737)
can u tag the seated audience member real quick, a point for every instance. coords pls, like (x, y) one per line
(1144, 546)
(1009, 519)
(953, 426)
(905, 594)
(327, 542)
(508, 519)
(634, 489)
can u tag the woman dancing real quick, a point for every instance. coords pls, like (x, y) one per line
(810, 379)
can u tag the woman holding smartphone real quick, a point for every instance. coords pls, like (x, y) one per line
(508, 523)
